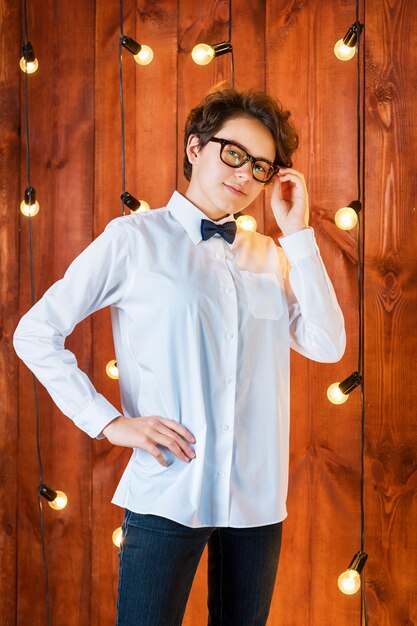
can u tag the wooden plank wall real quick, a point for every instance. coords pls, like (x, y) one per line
(284, 46)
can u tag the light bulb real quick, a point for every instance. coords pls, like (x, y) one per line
(346, 218)
(247, 222)
(144, 56)
(335, 395)
(30, 210)
(117, 536)
(344, 52)
(349, 582)
(60, 502)
(112, 370)
(28, 62)
(202, 54)
(144, 206)
(30, 66)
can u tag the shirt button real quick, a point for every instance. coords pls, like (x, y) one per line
(220, 256)
(227, 380)
(228, 290)
(230, 335)
(226, 427)
(221, 474)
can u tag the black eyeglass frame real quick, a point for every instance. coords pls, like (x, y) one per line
(249, 157)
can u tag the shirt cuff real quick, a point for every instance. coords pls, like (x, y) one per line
(299, 245)
(96, 415)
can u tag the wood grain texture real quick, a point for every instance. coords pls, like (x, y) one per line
(9, 299)
(285, 46)
(61, 133)
(322, 531)
(391, 304)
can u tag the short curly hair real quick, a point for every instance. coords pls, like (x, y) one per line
(217, 107)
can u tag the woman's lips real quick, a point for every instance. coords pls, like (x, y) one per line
(235, 190)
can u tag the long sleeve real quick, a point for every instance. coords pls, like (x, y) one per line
(97, 277)
(316, 320)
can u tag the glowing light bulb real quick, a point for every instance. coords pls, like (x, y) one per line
(60, 502)
(28, 66)
(349, 582)
(30, 210)
(112, 370)
(117, 537)
(344, 52)
(144, 206)
(335, 395)
(144, 56)
(247, 222)
(346, 218)
(202, 54)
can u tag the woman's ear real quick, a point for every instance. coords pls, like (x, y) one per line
(193, 148)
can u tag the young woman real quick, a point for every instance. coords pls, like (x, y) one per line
(204, 315)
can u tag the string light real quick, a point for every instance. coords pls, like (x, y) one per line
(117, 537)
(28, 63)
(142, 54)
(57, 500)
(345, 48)
(112, 370)
(247, 222)
(349, 581)
(29, 66)
(203, 54)
(338, 393)
(346, 218)
(29, 206)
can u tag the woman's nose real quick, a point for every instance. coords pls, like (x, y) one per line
(245, 171)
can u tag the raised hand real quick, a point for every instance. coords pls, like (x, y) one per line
(289, 201)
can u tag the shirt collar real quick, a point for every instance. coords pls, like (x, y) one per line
(189, 216)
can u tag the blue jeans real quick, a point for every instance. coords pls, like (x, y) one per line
(159, 558)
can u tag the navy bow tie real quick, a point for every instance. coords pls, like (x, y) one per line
(226, 230)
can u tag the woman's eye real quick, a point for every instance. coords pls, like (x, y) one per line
(235, 155)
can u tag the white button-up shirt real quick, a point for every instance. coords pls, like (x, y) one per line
(202, 333)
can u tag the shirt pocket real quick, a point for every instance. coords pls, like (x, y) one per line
(263, 294)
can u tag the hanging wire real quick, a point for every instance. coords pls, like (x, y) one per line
(32, 294)
(122, 108)
(232, 58)
(361, 257)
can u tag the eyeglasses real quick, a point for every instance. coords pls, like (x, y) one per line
(235, 156)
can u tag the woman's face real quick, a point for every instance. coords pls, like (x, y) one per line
(218, 189)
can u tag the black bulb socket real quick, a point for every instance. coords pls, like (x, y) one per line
(351, 37)
(350, 383)
(30, 196)
(222, 48)
(131, 202)
(130, 44)
(28, 52)
(358, 561)
(47, 492)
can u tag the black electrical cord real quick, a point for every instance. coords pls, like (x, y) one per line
(361, 258)
(32, 291)
(232, 58)
(122, 109)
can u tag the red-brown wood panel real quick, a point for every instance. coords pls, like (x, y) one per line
(390, 311)
(61, 133)
(9, 298)
(108, 460)
(322, 532)
(285, 46)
